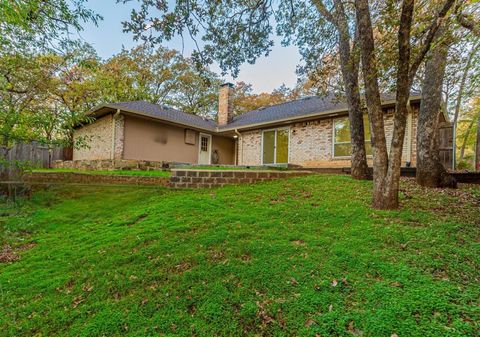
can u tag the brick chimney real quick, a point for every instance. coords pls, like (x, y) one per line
(225, 104)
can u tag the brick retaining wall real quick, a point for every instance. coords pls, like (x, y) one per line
(120, 164)
(215, 178)
(85, 178)
(181, 178)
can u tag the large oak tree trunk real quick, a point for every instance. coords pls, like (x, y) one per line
(374, 106)
(430, 170)
(355, 114)
(386, 168)
(349, 63)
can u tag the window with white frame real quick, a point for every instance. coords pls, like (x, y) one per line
(342, 145)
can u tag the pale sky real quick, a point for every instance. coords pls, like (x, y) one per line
(265, 75)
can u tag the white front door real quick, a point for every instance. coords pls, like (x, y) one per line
(205, 149)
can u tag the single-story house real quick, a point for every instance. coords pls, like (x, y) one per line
(310, 132)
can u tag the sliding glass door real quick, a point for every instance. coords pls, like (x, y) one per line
(275, 146)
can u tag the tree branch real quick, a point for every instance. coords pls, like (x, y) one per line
(467, 22)
(324, 11)
(432, 30)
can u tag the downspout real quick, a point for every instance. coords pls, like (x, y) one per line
(114, 135)
(236, 146)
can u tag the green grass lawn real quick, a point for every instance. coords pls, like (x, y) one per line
(151, 173)
(305, 256)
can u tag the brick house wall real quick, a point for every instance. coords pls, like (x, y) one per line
(249, 148)
(311, 143)
(98, 139)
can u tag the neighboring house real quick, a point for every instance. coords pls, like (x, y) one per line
(310, 132)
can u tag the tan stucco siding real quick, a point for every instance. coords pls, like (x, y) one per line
(311, 144)
(97, 138)
(225, 148)
(154, 141)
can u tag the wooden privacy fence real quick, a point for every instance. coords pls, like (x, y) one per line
(37, 154)
(445, 145)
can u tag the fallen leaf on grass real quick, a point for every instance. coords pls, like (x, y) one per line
(263, 314)
(310, 322)
(87, 287)
(396, 284)
(76, 301)
(353, 330)
(293, 282)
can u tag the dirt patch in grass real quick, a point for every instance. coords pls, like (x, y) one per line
(9, 254)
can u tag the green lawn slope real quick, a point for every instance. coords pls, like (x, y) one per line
(305, 256)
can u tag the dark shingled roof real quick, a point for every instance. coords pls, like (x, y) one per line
(313, 105)
(297, 108)
(304, 107)
(165, 113)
